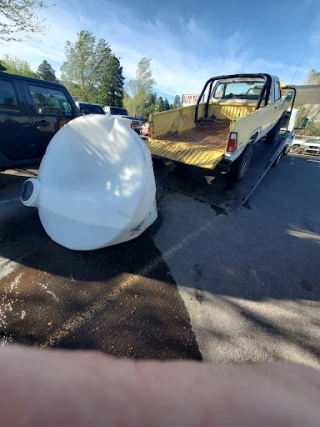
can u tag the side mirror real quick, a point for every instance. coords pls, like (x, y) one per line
(289, 97)
(305, 122)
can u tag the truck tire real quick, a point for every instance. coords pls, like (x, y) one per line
(239, 167)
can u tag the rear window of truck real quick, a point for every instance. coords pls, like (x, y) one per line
(242, 90)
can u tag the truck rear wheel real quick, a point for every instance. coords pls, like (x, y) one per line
(239, 167)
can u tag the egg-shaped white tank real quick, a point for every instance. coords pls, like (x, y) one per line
(95, 186)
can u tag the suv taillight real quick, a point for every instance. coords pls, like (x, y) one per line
(233, 142)
(131, 125)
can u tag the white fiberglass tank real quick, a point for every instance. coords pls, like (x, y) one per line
(95, 186)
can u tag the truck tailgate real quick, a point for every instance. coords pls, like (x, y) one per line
(204, 145)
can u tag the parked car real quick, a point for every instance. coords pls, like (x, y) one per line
(134, 122)
(306, 145)
(115, 111)
(89, 108)
(31, 112)
(120, 113)
(145, 129)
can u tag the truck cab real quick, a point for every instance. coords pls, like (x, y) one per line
(237, 98)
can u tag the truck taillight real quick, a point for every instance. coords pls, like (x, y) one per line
(149, 132)
(233, 142)
(131, 125)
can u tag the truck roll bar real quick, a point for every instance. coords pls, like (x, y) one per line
(265, 92)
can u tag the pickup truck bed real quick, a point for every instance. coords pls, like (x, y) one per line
(204, 145)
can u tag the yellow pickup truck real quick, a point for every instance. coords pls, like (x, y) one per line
(238, 111)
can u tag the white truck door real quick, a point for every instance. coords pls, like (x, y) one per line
(269, 112)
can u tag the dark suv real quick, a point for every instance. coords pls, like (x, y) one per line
(31, 112)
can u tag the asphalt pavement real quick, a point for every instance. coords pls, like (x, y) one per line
(199, 284)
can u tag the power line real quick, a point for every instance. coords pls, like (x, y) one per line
(297, 69)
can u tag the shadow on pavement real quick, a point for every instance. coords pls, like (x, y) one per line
(121, 300)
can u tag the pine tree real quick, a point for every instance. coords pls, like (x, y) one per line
(177, 102)
(166, 104)
(111, 83)
(150, 105)
(160, 106)
(46, 72)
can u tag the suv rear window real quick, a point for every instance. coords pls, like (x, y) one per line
(119, 111)
(48, 101)
(90, 108)
(8, 98)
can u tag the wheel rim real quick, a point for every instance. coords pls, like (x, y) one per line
(295, 148)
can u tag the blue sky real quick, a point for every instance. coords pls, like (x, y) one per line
(188, 41)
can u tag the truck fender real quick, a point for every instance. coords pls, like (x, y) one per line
(229, 158)
(254, 137)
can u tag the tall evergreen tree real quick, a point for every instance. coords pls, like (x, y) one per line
(166, 104)
(111, 83)
(46, 72)
(150, 104)
(160, 104)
